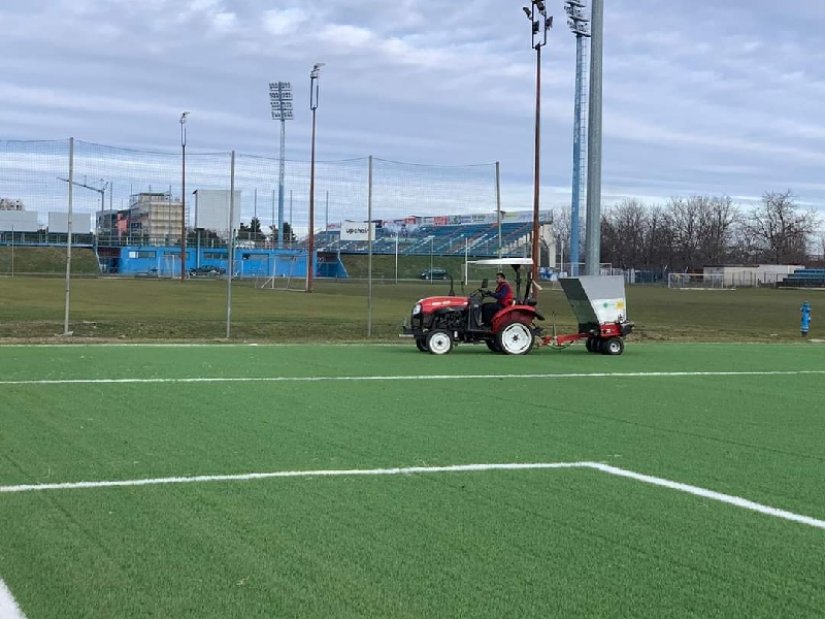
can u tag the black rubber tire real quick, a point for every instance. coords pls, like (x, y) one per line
(421, 344)
(493, 345)
(613, 346)
(588, 343)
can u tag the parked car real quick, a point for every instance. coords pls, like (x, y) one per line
(207, 270)
(433, 273)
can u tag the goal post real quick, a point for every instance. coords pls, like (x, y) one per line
(697, 281)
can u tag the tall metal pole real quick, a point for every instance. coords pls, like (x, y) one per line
(536, 170)
(66, 331)
(498, 204)
(313, 105)
(231, 248)
(575, 202)
(594, 143)
(579, 23)
(369, 248)
(183, 196)
(540, 23)
(281, 170)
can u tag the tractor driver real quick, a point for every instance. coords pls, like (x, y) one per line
(503, 295)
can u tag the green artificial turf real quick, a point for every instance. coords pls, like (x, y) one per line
(482, 544)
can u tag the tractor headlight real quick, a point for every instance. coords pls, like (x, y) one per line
(416, 309)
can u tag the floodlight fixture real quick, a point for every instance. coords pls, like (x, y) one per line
(527, 12)
(314, 76)
(280, 100)
(577, 18)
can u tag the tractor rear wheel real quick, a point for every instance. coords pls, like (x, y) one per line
(439, 342)
(421, 344)
(613, 346)
(515, 338)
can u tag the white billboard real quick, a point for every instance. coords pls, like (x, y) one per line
(18, 221)
(59, 222)
(357, 231)
(211, 209)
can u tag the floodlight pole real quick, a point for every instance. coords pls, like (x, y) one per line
(183, 196)
(540, 23)
(280, 98)
(592, 239)
(579, 24)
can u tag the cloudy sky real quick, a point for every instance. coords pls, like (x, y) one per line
(699, 97)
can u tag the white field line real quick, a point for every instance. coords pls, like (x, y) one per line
(458, 468)
(427, 377)
(8, 605)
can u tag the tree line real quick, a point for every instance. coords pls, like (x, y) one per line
(689, 233)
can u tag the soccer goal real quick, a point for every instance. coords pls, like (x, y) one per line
(697, 281)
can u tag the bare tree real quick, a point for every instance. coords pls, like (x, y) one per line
(623, 234)
(780, 231)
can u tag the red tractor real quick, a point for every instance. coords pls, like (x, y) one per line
(437, 323)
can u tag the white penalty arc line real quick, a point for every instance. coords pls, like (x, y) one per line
(428, 377)
(458, 468)
(8, 605)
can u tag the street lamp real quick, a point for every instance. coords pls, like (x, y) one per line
(579, 23)
(183, 196)
(313, 105)
(280, 99)
(540, 23)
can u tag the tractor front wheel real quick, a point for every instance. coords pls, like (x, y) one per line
(439, 342)
(421, 344)
(515, 338)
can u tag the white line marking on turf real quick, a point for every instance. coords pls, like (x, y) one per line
(428, 377)
(457, 468)
(8, 605)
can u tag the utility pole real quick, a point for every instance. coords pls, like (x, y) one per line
(183, 196)
(540, 23)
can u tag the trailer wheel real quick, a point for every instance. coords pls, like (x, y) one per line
(588, 344)
(439, 342)
(613, 346)
(421, 344)
(515, 339)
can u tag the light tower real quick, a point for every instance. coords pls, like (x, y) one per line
(280, 99)
(540, 23)
(579, 23)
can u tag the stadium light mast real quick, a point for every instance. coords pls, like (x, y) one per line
(540, 23)
(280, 100)
(183, 196)
(579, 23)
(314, 76)
(592, 240)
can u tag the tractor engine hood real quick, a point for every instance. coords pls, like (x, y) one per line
(432, 304)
